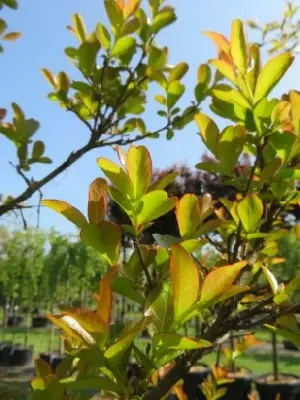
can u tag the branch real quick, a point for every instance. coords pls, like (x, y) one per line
(145, 269)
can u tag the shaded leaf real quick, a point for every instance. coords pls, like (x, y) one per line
(97, 203)
(105, 295)
(250, 211)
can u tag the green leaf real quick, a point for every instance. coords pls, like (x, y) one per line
(164, 181)
(238, 46)
(10, 3)
(218, 281)
(203, 78)
(116, 175)
(293, 337)
(252, 75)
(159, 306)
(3, 26)
(178, 71)
(185, 280)
(174, 92)
(153, 205)
(290, 173)
(67, 210)
(270, 170)
(116, 352)
(139, 168)
(228, 94)
(127, 288)
(271, 280)
(225, 69)
(165, 241)
(50, 77)
(164, 342)
(103, 36)
(87, 56)
(104, 237)
(230, 146)
(250, 211)
(63, 82)
(208, 227)
(271, 74)
(209, 131)
(82, 382)
(123, 202)
(157, 57)
(188, 215)
(130, 26)
(123, 45)
(79, 27)
(114, 14)
(164, 18)
(38, 149)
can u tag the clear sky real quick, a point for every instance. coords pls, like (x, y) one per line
(43, 25)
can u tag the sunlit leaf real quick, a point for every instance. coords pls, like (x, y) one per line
(153, 205)
(178, 72)
(123, 45)
(219, 281)
(271, 74)
(104, 237)
(188, 214)
(105, 295)
(79, 26)
(114, 14)
(185, 280)
(139, 168)
(103, 36)
(174, 92)
(238, 46)
(250, 211)
(163, 19)
(208, 130)
(116, 175)
(164, 181)
(67, 210)
(50, 77)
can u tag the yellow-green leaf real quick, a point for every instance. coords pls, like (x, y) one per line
(163, 19)
(219, 281)
(238, 46)
(164, 181)
(153, 205)
(250, 211)
(131, 7)
(3, 26)
(123, 45)
(227, 93)
(38, 149)
(97, 203)
(188, 215)
(139, 168)
(185, 280)
(230, 147)
(116, 175)
(271, 74)
(79, 26)
(164, 342)
(104, 237)
(114, 13)
(224, 68)
(67, 210)
(63, 82)
(252, 75)
(174, 92)
(271, 280)
(209, 131)
(103, 36)
(295, 101)
(178, 71)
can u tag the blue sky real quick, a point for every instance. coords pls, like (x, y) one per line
(43, 25)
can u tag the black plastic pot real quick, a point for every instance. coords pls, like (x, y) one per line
(15, 320)
(239, 388)
(269, 390)
(39, 322)
(5, 354)
(21, 357)
(192, 382)
(290, 345)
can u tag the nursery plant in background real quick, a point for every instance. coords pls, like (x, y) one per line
(169, 283)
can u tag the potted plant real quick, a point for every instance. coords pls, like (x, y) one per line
(286, 386)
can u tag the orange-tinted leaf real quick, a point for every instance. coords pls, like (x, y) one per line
(139, 168)
(97, 204)
(105, 295)
(188, 214)
(185, 279)
(121, 4)
(42, 368)
(90, 321)
(104, 237)
(219, 281)
(220, 41)
(50, 77)
(11, 36)
(67, 210)
(131, 7)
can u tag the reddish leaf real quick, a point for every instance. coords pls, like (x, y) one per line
(97, 201)
(105, 295)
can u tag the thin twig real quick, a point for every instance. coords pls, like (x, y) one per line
(145, 269)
